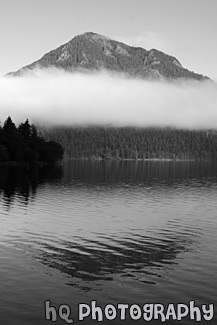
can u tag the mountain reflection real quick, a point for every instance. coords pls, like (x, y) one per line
(133, 256)
(139, 258)
(21, 182)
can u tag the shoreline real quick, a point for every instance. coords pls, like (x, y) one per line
(41, 164)
(139, 159)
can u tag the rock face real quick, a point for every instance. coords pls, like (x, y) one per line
(90, 51)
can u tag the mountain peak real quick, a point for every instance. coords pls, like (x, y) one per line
(93, 36)
(91, 51)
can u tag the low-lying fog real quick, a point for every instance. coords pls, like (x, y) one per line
(56, 97)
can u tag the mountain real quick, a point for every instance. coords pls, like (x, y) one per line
(90, 51)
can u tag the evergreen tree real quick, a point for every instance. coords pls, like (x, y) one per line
(24, 144)
(25, 131)
(12, 140)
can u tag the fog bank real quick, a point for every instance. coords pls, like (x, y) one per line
(56, 97)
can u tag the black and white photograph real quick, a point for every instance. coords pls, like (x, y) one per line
(108, 162)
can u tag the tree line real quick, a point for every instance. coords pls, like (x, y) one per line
(134, 143)
(24, 144)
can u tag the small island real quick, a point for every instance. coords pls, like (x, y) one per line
(23, 144)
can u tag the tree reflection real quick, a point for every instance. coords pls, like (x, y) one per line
(112, 173)
(21, 182)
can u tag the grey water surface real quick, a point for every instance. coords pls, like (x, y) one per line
(112, 232)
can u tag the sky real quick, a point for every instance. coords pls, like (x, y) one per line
(183, 28)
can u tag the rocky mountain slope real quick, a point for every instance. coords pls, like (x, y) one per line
(90, 51)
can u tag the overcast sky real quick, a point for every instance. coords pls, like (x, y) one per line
(183, 28)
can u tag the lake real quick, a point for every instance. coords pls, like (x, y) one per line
(118, 233)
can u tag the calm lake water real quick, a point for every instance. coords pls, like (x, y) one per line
(114, 232)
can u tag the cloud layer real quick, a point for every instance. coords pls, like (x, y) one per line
(56, 97)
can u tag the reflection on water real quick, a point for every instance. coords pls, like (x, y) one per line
(149, 172)
(22, 181)
(139, 257)
(120, 232)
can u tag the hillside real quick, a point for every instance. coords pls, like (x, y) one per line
(133, 143)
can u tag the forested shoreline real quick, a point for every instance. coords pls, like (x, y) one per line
(23, 144)
(97, 142)
(29, 144)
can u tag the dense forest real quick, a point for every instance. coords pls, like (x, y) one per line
(26, 143)
(134, 143)
(23, 144)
